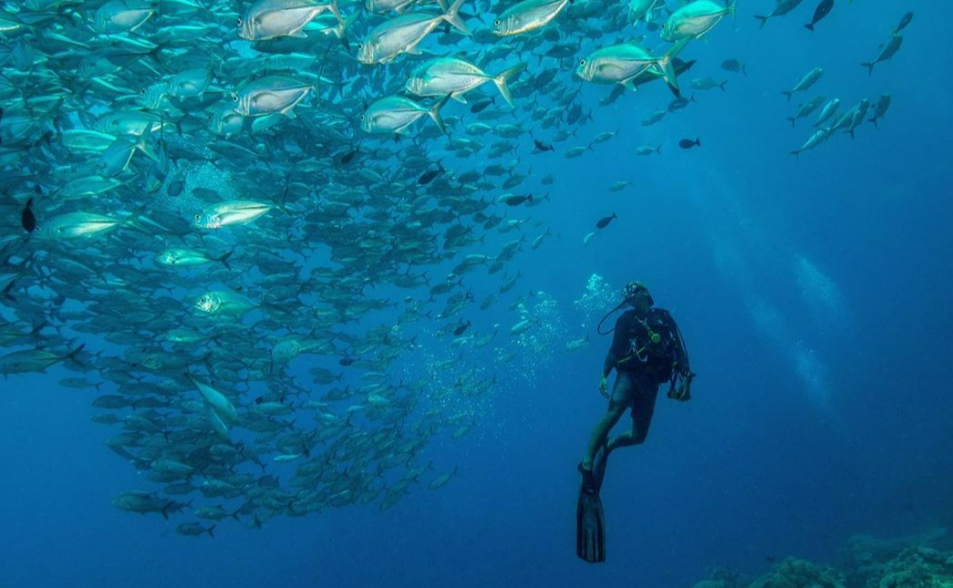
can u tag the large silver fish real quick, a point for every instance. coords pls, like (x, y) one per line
(270, 19)
(402, 34)
(526, 16)
(456, 77)
(270, 95)
(394, 114)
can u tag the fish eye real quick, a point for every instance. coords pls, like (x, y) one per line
(142, 91)
(497, 22)
(235, 97)
(198, 217)
(239, 21)
(360, 45)
(582, 62)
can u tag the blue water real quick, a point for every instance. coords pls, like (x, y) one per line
(814, 296)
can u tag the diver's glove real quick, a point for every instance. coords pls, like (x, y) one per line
(604, 386)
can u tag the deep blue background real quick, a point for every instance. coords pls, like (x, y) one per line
(762, 463)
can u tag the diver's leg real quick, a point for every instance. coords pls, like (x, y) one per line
(621, 396)
(601, 433)
(643, 408)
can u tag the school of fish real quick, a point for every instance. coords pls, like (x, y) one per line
(198, 192)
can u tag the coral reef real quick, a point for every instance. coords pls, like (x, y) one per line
(798, 573)
(914, 562)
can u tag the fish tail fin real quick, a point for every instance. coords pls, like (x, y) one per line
(142, 143)
(211, 531)
(870, 67)
(434, 113)
(763, 19)
(224, 259)
(666, 67)
(795, 153)
(658, 149)
(810, 27)
(6, 293)
(504, 76)
(133, 222)
(333, 7)
(732, 10)
(876, 126)
(347, 22)
(340, 31)
(788, 94)
(744, 70)
(71, 356)
(792, 119)
(452, 16)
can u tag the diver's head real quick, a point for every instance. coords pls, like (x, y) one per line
(637, 296)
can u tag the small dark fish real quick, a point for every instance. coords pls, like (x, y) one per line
(461, 329)
(176, 185)
(680, 103)
(903, 24)
(688, 143)
(348, 156)
(543, 147)
(481, 105)
(887, 50)
(604, 222)
(734, 65)
(429, 175)
(822, 10)
(347, 361)
(517, 200)
(195, 530)
(880, 109)
(27, 218)
(617, 91)
(576, 114)
(770, 558)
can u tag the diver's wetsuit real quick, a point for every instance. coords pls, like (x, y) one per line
(637, 382)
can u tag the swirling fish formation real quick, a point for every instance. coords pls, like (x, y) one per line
(197, 192)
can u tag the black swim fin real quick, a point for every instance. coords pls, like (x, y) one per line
(590, 528)
(590, 518)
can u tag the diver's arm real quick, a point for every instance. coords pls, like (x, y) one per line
(608, 365)
(619, 342)
(681, 352)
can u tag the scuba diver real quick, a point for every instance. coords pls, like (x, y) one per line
(647, 350)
